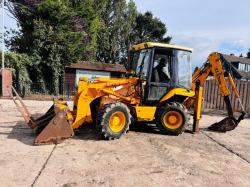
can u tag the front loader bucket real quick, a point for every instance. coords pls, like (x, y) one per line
(56, 130)
(53, 127)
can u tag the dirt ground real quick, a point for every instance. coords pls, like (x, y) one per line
(141, 158)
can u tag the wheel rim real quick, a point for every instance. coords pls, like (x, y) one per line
(173, 120)
(117, 121)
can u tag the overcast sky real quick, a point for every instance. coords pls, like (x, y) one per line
(207, 26)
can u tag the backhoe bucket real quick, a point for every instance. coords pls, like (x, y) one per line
(51, 128)
(227, 124)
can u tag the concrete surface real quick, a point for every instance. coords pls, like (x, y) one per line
(141, 158)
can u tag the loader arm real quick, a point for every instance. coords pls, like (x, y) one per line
(59, 122)
(88, 92)
(215, 65)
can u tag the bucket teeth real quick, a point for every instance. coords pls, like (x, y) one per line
(227, 124)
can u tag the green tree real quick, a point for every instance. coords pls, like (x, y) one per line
(55, 33)
(149, 28)
(118, 20)
(122, 27)
(19, 64)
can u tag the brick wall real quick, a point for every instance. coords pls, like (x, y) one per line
(6, 78)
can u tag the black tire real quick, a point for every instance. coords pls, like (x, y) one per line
(179, 112)
(105, 114)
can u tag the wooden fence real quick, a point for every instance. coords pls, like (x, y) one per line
(213, 99)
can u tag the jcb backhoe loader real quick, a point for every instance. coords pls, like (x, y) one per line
(158, 89)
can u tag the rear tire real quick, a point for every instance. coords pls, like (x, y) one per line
(113, 120)
(172, 119)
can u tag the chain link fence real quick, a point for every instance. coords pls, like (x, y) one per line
(38, 89)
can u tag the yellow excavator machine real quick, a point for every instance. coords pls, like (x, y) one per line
(158, 89)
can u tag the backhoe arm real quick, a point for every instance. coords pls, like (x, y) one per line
(215, 65)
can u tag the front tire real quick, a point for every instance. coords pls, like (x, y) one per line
(113, 120)
(172, 119)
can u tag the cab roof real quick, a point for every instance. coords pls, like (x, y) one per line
(162, 45)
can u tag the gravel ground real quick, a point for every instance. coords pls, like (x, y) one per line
(141, 158)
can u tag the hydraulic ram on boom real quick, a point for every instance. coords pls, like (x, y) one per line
(221, 69)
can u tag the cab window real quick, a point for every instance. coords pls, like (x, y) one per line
(161, 66)
(140, 62)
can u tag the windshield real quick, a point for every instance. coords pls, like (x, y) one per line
(140, 62)
(184, 69)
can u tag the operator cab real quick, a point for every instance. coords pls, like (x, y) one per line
(161, 67)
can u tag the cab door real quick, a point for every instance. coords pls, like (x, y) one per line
(161, 76)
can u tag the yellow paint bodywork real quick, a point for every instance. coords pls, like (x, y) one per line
(179, 92)
(198, 107)
(234, 88)
(106, 89)
(145, 113)
(90, 91)
(117, 122)
(153, 44)
(214, 66)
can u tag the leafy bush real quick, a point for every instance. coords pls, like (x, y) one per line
(19, 64)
